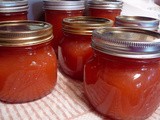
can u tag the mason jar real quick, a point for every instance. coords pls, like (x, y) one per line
(122, 79)
(27, 60)
(56, 11)
(75, 49)
(105, 8)
(13, 10)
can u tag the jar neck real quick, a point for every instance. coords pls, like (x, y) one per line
(64, 11)
(113, 9)
(122, 59)
(14, 13)
(67, 34)
(26, 48)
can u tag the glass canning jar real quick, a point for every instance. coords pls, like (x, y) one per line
(142, 22)
(105, 8)
(122, 80)
(27, 61)
(56, 11)
(74, 49)
(13, 10)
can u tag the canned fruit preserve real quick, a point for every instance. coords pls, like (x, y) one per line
(74, 49)
(122, 79)
(13, 10)
(56, 11)
(106, 8)
(28, 62)
(73, 53)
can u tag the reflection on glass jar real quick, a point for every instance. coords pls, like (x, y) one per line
(105, 8)
(146, 23)
(56, 11)
(27, 61)
(13, 10)
(74, 49)
(122, 80)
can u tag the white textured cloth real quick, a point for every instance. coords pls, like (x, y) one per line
(66, 102)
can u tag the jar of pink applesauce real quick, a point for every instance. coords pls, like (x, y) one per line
(105, 8)
(56, 11)
(13, 10)
(122, 79)
(75, 49)
(28, 63)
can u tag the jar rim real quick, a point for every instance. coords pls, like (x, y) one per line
(127, 42)
(105, 4)
(84, 25)
(63, 5)
(24, 33)
(147, 23)
(13, 6)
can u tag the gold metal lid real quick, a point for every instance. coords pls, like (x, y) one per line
(127, 42)
(84, 25)
(13, 6)
(24, 33)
